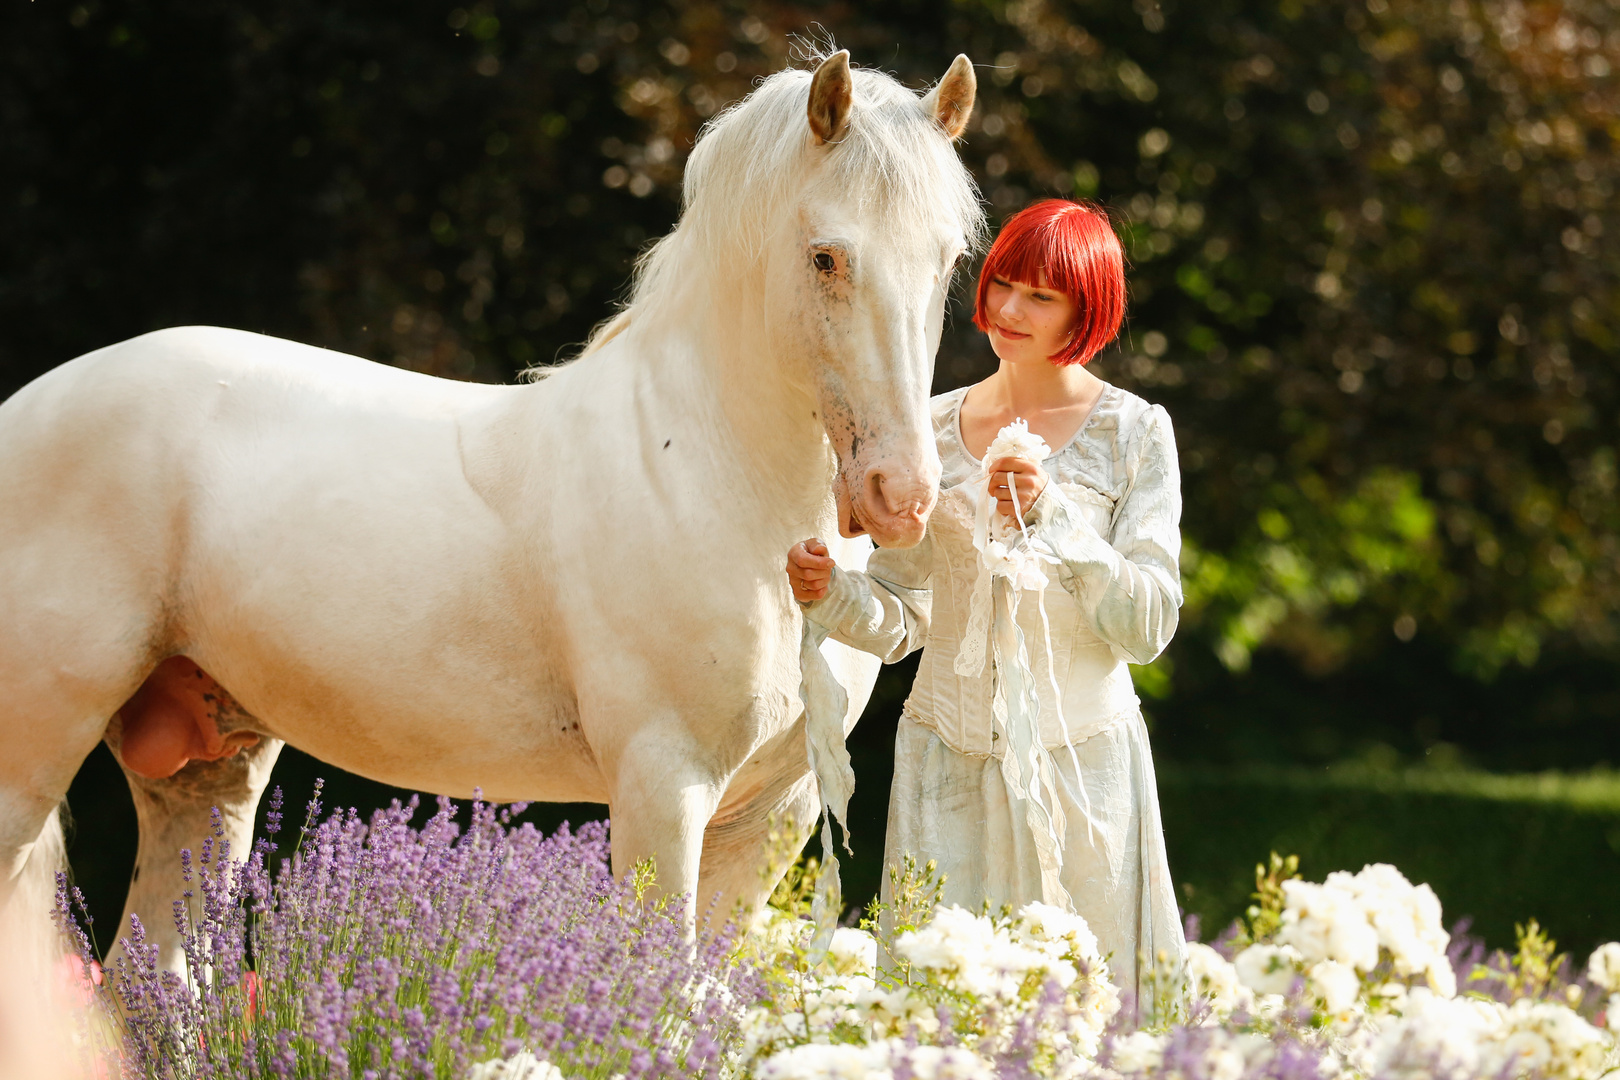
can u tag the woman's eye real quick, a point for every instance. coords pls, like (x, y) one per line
(825, 263)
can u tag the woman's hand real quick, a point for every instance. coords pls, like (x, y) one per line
(809, 570)
(1028, 477)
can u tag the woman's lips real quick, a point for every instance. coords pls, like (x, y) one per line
(1006, 333)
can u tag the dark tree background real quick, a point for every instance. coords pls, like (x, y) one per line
(1372, 281)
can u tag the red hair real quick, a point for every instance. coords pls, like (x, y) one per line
(1075, 245)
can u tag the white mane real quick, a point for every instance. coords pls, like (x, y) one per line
(749, 162)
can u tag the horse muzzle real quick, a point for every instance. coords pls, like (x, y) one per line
(891, 504)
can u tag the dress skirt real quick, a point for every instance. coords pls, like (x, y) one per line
(957, 810)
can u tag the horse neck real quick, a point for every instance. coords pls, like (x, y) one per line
(726, 372)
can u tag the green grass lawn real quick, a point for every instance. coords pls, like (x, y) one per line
(1496, 848)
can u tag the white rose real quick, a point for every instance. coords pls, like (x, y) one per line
(820, 1061)
(1048, 923)
(1229, 1056)
(853, 952)
(938, 1062)
(1441, 978)
(1212, 977)
(1138, 1052)
(1406, 917)
(1334, 984)
(1327, 922)
(1547, 1039)
(1433, 1037)
(520, 1066)
(1267, 969)
(1604, 967)
(898, 1011)
(1016, 440)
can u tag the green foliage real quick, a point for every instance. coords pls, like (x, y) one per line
(915, 892)
(1533, 968)
(1368, 285)
(1371, 276)
(1264, 916)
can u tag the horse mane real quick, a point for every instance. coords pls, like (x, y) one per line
(748, 162)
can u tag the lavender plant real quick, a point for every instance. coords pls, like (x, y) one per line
(383, 950)
(380, 949)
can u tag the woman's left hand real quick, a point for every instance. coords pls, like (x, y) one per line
(1029, 479)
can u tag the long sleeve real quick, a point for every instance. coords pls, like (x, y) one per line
(1128, 585)
(883, 610)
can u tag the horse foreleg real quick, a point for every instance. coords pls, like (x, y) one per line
(661, 803)
(748, 847)
(175, 813)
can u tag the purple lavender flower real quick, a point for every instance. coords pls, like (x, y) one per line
(382, 949)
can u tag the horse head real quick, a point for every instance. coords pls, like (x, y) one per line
(885, 213)
(824, 215)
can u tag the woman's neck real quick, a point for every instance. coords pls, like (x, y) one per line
(1054, 400)
(1028, 390)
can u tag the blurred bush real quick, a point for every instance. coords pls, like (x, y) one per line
(1372, 274)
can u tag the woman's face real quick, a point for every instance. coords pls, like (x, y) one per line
(1028, 323)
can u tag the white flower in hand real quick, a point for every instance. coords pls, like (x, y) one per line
(1016, 440)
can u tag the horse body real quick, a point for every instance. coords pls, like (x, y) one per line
(565, 590)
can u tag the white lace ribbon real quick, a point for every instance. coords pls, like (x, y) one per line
(825, 706)
(1018, 561)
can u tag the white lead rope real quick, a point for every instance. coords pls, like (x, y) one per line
(825, 705)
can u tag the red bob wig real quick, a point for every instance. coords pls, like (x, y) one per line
(1075, 245)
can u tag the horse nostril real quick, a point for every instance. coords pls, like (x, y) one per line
(874, 488)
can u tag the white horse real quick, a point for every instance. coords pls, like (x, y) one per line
(213, 541)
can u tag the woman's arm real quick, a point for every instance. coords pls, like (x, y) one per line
(1129, 589)
(883, 610)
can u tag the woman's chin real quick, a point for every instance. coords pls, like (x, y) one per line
(1020, 354)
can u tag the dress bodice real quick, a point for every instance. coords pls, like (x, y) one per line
(1110, 514)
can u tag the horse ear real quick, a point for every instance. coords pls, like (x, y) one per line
(951, 102)
(832, 91)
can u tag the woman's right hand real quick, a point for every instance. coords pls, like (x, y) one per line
(809, 570)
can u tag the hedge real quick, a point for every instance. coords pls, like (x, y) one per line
(1497, 849)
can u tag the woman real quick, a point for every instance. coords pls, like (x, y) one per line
(1103, 511)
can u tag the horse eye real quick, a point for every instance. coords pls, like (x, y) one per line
(825, 263)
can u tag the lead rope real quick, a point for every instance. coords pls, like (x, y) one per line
(825, 706)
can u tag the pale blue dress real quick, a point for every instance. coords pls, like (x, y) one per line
(1111, 516)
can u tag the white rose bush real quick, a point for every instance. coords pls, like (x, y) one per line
(391, 951)
(1354, 977)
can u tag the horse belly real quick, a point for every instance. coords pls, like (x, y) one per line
(446, 735)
